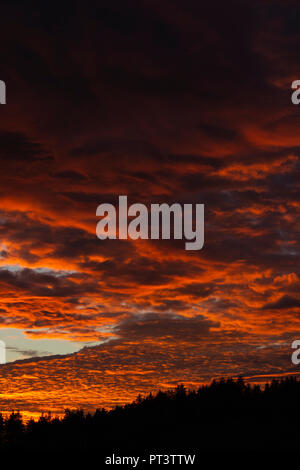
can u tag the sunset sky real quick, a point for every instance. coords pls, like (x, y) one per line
(163, 101)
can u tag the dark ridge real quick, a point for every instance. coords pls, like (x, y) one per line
(225, 415)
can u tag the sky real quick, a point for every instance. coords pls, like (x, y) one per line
(164, 102)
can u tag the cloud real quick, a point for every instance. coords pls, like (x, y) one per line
(165, 102)
(117, 371)
(24, 353)
(160, 326)
(283, 303)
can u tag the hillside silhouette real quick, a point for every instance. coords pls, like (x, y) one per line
(227, 414)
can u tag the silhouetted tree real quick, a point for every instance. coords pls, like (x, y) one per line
(223, 415)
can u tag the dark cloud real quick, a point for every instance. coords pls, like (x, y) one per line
(165, 326)
(24, 353)
(71, 175)
(17, 147)
(285, 302)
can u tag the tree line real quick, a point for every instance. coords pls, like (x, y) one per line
(226, 414)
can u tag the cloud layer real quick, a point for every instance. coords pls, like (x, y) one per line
(165, 103)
